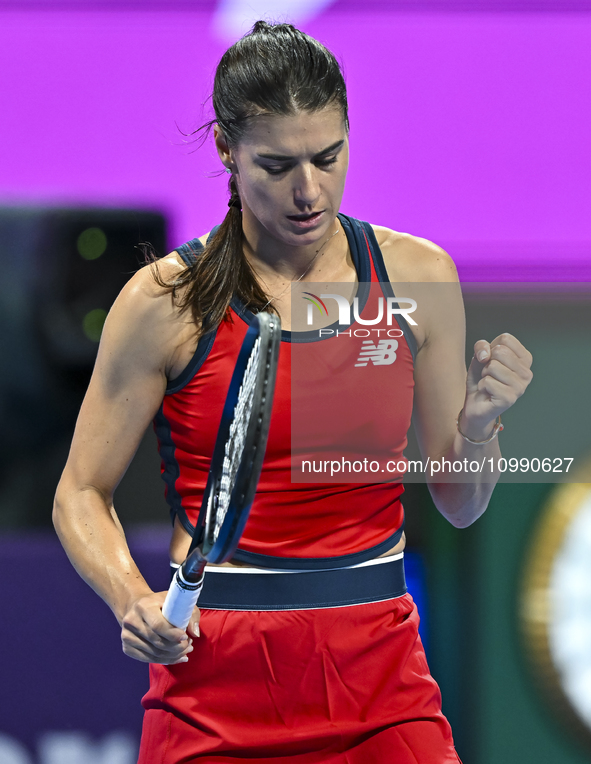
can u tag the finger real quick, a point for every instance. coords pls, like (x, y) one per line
(501, 395)
(497, 370)
(138, 654)
(482, 351)
(512, 342)
(147, 657)
(142, 628)
(508, 358)
(171, 651)
(134, 645)
(157, 623)
(165, 631)
(193, 627)
(138, 625)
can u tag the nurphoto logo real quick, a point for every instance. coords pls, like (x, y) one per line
(345, 318)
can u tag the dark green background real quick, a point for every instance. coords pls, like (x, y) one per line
(477, 653)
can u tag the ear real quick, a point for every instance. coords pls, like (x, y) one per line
(222, 147)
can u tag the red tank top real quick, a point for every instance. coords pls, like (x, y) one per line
(293, 524)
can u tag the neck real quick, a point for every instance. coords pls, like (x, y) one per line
(274, 260)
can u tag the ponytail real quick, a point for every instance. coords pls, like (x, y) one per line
(219, 273)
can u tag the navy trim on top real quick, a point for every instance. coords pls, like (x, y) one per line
(387, 289)
(188, 253)
(316, 563)
(356, 232)
(203, 349)
(360, 257)
(171, 470)
(191, 249)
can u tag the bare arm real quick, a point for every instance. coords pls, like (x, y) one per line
(125, 392)
(499, 373)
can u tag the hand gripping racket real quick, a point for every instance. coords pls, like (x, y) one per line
(235, 466)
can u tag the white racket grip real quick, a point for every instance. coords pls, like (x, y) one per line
(180, 600)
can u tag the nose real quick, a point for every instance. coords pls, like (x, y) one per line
(306, 187)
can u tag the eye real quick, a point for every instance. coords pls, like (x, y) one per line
(276, 170)
(326, 162)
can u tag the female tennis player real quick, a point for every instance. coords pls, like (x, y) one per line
(306, 648)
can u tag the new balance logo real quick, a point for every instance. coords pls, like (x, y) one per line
(382, 354)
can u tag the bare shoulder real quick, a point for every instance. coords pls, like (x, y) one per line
(143, 296)
(144, 285)
(411, 258)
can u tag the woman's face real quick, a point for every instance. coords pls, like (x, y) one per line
(290, 172)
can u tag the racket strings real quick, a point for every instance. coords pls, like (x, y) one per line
(236, 439)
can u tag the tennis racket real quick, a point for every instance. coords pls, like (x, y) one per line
(235, 466)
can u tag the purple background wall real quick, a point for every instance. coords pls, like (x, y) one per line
(466, 127)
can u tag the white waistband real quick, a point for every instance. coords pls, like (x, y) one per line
(244, 569)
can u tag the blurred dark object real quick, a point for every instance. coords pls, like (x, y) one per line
(60, 271)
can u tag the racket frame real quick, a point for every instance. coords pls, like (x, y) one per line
(204, 548)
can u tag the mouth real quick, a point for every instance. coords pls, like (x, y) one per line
(306, 219)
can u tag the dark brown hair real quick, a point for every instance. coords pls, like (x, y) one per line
(274, 69)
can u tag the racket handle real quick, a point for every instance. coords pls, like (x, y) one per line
(181, 598)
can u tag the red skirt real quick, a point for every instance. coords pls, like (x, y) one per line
(334, 685)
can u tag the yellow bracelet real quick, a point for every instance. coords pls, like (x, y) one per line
(496, 430)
